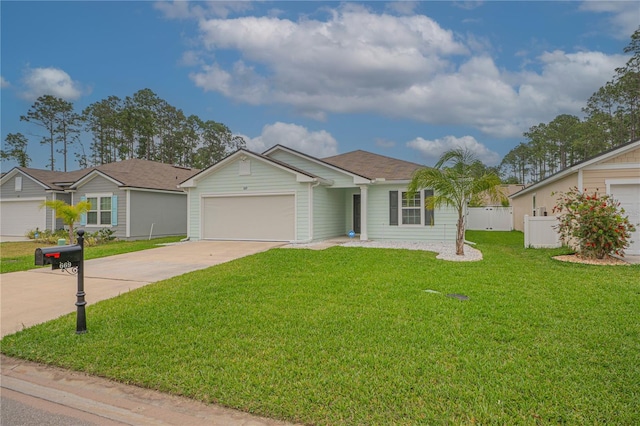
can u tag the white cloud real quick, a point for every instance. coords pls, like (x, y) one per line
(50, 81)
(624, 16)
(4, 83)
(566, 81)
(312, 64)
(315, 143)
(398, 66)
(431, 150)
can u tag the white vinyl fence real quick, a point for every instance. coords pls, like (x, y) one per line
(491, 218)
(539, 232)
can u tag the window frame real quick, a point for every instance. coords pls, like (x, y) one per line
(400, 207)
(99, 210)
(406, 204)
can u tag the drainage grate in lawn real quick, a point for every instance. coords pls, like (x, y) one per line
(458, 296)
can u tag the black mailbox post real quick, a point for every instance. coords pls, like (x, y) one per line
(70, 257)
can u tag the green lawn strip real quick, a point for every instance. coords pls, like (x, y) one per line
(349, 335)
(19, 256)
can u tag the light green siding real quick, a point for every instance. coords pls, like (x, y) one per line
(443, 230)
(328, 213)
(340, 179)
(264, 178)
(331, 205)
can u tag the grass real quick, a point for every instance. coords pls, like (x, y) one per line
(350, 336)
(19, 256)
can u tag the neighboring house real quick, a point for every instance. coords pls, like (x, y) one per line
(135, 198)
(615, 172)
(285, 195)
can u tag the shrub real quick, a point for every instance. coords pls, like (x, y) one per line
(47, 236)
(596, 223)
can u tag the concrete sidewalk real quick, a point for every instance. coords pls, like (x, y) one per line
(77, 398)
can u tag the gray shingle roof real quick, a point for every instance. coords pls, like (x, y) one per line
(53, 179)
(133, 173)
(137, 173)
(374, 166)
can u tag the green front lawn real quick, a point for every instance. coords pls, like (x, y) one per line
(350, 336)
(20, 256)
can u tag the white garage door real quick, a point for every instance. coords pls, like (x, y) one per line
(254, 217)
(629, 198)
(19, 217)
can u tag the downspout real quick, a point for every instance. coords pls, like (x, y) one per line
(127, 226)
(188, 191)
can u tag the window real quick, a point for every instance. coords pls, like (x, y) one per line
(411, 209)
(100, 211)
(18, 182)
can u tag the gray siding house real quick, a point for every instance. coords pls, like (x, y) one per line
(285, 195)
(135, 198)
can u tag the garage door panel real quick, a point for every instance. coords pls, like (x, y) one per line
(629, 198)
(267, 218)
(19, 217)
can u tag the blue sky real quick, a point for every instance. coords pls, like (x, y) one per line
(403, 79)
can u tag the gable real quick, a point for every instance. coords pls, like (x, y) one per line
(630, 157)
(8, 179)
(96, 183)
(247, 160)
(17, 184)
(92, 176)
(615, 158)
(340, 179)
(246, 175)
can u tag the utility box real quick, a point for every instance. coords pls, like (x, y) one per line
(60, 257)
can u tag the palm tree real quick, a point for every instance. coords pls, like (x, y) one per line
(68, 213)
(457, 177)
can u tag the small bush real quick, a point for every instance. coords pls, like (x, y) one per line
(47, 236)
(595, 222)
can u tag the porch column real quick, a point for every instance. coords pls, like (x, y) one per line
(364, 207)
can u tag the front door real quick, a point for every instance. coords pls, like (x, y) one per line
(356, 213)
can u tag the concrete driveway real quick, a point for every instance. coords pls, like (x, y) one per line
(32, 297)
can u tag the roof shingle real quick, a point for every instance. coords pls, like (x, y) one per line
(374, 166)
(133, 173)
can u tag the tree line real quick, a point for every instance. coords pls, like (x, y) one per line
(611, 119)
(141, 126)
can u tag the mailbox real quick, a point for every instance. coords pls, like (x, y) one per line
(59, 257)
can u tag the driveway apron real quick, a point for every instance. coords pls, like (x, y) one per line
(39, 295)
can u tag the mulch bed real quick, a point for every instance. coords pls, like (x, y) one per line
(576, 258)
